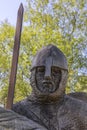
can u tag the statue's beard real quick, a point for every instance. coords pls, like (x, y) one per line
(53, 93)
(46, 86)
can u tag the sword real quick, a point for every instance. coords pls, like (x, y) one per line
(12, 79)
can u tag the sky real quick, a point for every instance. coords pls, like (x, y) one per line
(8, 10)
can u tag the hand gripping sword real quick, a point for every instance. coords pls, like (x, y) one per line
(13, 73)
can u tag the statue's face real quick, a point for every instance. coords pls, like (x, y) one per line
(48, 79)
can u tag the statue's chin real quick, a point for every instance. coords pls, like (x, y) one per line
(47, 89)
(48, 96)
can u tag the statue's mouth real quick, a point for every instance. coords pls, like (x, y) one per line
(48, 86)
(47, 82)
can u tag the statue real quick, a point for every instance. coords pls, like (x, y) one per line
(79, 95)
(48, 105)
(10, 120)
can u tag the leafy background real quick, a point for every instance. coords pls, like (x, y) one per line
(59, 22)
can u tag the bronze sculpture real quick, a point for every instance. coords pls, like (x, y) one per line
(48, 105)
(10, 120)
(79, 95)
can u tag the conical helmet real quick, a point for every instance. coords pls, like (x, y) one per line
(50, 55)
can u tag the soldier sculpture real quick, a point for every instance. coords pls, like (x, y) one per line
(48, 105)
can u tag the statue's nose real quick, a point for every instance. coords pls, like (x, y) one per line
(48, 68)
(47, 75)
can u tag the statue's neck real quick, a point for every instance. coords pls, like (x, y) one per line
(46, 99)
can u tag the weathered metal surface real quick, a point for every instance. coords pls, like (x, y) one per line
(79, 95)
(12, 80)
(10, 120)
(50, 51)
(48, 104)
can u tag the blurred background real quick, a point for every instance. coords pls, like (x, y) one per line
(59, 22)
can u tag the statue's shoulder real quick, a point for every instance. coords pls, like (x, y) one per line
(21, 105)
(79, 95)
(28, 108)
(75, 104)
(73, 114)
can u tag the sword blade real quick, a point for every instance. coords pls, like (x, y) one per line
(13, 73)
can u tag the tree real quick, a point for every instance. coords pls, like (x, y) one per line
(72, 23)
(68, 18)
(6, 40)
(62, 23)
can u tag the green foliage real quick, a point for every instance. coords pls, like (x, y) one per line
(6, 43)
(62, 23)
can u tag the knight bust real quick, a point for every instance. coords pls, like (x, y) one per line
(48, 105)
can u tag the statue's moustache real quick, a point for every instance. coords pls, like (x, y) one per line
(47, 82)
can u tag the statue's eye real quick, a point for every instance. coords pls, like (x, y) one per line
(40, 69)
(56, 70)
